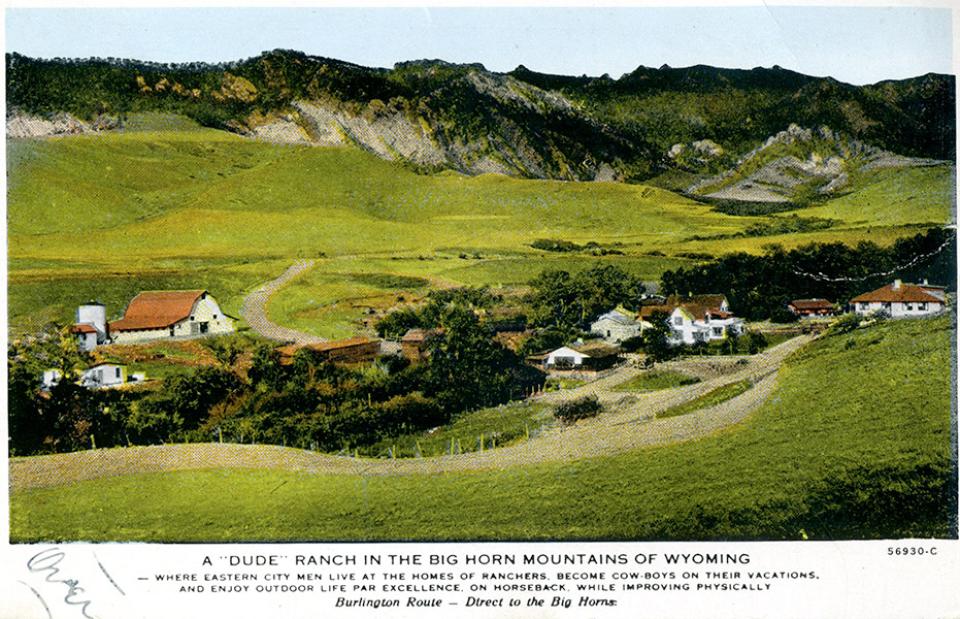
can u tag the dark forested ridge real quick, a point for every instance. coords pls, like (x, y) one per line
(527, 123)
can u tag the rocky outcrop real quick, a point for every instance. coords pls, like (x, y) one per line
(798, 163)
(29, 126)
(389, 135)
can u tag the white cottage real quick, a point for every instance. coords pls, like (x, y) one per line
(591, 356)
(615, 327)
(697, 318)
(161, 314)
(100, 376)
(104, 375)
(901, 300)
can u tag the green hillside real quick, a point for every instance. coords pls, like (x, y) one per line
(895, 197)
(872, 460)
(105, 216)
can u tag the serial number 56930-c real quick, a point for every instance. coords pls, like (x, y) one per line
(919, 551)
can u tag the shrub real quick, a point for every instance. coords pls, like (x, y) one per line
(846, 323)
(581, 408)
(632, 344)
(783, 315)
(398, 322)
(756, 342)
(555, 245)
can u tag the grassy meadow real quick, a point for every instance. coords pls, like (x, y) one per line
(655, 380)
(172, 205)
(872, 460)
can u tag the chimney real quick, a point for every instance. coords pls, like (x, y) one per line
(925, 282)
(896, 284)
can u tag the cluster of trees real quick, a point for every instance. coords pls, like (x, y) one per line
(67, 417)
(430, 315)
(563, 305)
(759, 287)
(564, 246)
(309, 403)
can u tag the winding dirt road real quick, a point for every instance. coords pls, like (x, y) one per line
(254, 309)
(628, 423)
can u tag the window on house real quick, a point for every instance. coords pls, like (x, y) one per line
(118, 372)
(909, 307)
(922, 307)
(718, 330)
(886, 305)
(678, 320)
(608, 333)
(864, 306)
(215, 316)
(191, 318)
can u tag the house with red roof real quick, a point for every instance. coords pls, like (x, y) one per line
(811, 307)
(900, 300)
(162, 314)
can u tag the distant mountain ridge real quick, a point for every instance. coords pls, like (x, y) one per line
(435, 115)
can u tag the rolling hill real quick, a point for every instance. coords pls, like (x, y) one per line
(103, 216)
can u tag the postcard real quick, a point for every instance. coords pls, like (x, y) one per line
(631, 311)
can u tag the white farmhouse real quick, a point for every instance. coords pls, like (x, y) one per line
(697, 318)
(160, 314)
(100, 376)
(615, 327)
(900, 300)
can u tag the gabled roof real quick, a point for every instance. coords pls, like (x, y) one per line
(891, 293)
(698, 306)
(565, 350)
(811, 304)
(158, 309)
(617, 317)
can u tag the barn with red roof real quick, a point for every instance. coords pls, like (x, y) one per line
(160, 314)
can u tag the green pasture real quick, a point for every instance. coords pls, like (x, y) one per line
(336, 297)
(711, 398)
(655, 380)
(496, 426)
(171, 205)
(869, 460)
(40, 296)
(895, 196)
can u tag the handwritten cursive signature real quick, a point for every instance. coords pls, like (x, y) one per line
(46, 562)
